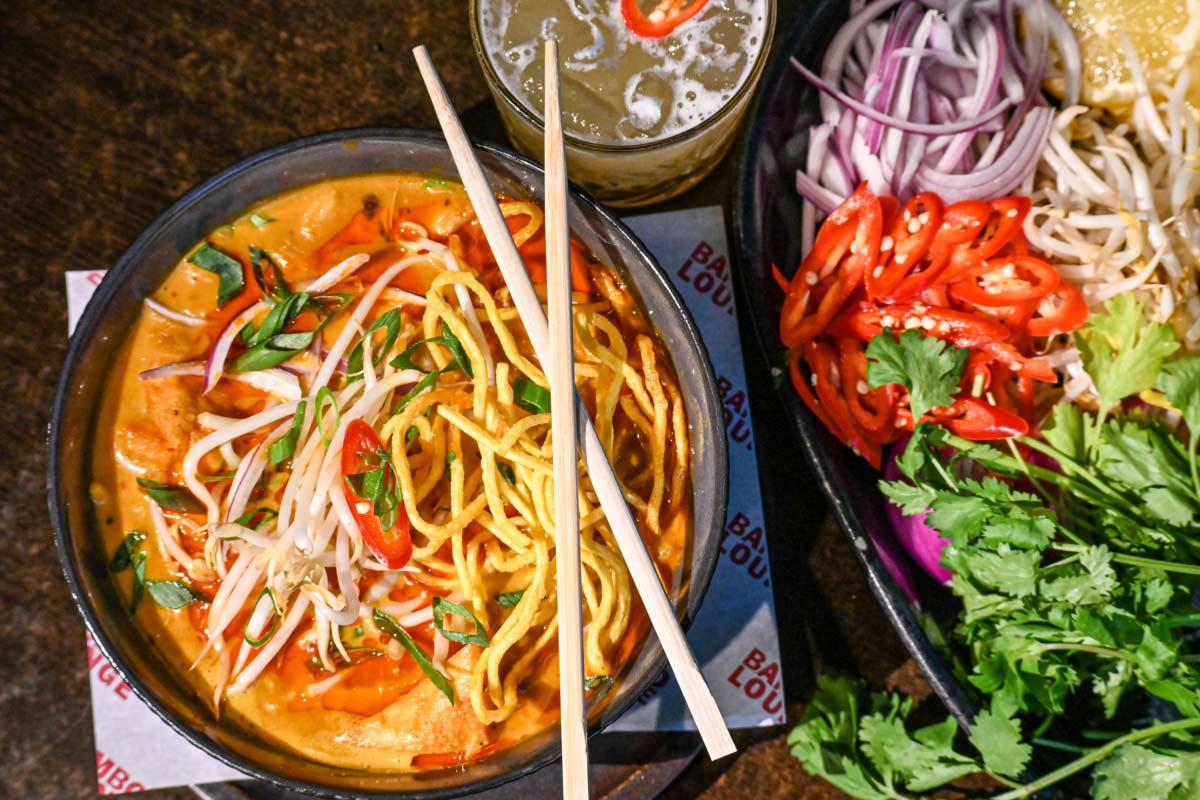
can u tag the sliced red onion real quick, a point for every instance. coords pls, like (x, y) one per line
(921, 542)
(171, 314)
(969, 124)
(275, 380)
(939, 95)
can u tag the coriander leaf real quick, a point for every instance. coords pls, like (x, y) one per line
(1065, 431)
(1179, 381)
(1012, 572)
(442, 607)
(1121, 351)
(509, 599)
(959, 517)
(1135, 771)
(826, 740)
(928, 367)
(1019, 531)
(173, 594)
(1092, 581)
(911, 500)
(923, 763)
(997, 737)
(387, 623)
(284, 447)
(171, 496)
(123, 557)
(231, 279)
(1185, 699)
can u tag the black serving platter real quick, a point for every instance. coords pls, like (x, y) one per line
(766, 219)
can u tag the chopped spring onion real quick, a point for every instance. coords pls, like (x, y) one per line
(323, 396)
(459, 360)
(510, 599)
(139, 581)
(261, 220)
(276, 613)
(531, 397)
(284, 447)
(442, 607)
(592, 681)
(388, 322)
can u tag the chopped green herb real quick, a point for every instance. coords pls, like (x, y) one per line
(358, 631)
(388, 625)
(139, 581)
(268, 515)
(442, 607)
(173, 594)
(592, 681)
(450, 457)
(276, 613)
(507, 472)
(412, 433)
(261, 220)
(231, 279)
(435, 183)
(167, 495)
(380, 487)
(510, 599)
(458, 361)
(323, 396)
(422, 385)
(279, 317)
(123, 558)
(928, 367)
(272, 292)
(224, 476)
(284, 447)
(531, 397)
(389, 323)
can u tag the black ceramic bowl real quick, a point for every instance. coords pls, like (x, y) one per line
(117, 303)
(766, 227)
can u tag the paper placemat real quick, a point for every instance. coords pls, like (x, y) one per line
(735, 638)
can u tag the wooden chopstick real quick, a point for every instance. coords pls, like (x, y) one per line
(692, 685)
(561, 373)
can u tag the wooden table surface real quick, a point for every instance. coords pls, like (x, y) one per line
(111, 110)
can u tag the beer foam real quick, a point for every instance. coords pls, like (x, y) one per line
(618, 87)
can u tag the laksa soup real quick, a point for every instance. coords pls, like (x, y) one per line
(323, 471)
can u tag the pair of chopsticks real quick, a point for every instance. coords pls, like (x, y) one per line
(555, 351)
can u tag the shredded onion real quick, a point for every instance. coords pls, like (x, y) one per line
(171, 314)
(277, 381)
(937, 96)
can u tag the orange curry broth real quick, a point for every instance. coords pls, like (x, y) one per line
(147, 426)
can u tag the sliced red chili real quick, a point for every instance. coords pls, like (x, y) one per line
(846, 247)
(873, 409)
(1038, 369)
(961, 223)
(1061, 311)
(1006, 282)
(822, 360)
(907, 243)
(978, 421)
(365, 459)
(864, 321)
(662, 20)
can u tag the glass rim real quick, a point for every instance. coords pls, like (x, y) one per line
(530, 116)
